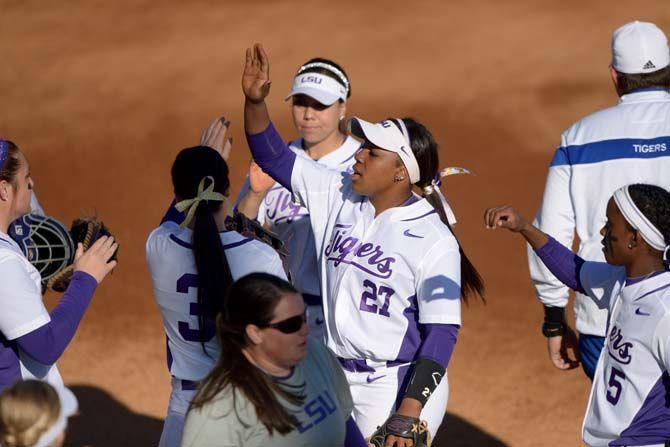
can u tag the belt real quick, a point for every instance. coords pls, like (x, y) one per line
(359, 365)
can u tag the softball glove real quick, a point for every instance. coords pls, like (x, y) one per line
(86, 230)
(402, 427)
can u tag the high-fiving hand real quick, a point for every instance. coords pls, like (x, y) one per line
(215, 137)
(256, 78)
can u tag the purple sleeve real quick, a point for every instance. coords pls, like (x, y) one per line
(438, 342)
(272, 155)
(354, 437)
(47, 343)
(172, 215)
(562, 262)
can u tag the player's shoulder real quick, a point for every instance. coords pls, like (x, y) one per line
(420, 223)
(9, 250)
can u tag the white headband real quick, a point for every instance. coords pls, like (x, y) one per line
(331, 68)
(639, 221)
(68, 407)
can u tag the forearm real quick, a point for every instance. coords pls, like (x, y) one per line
(562, 262)
(434, 353)
(535, 237)
(250, 203)
(272, 155)
(47, 343)
(256, 117)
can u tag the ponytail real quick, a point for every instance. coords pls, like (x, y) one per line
(425, 150)
(214, 275)
(471, 280)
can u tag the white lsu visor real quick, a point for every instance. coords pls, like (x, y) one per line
(390, 135)
(639, 221)
(323, 88)
(68, 407)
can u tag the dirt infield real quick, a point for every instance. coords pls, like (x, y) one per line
(101, 96)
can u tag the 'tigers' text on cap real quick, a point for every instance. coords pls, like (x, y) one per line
(639, 47)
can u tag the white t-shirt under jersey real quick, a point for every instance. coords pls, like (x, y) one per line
(291, 223)
(628, 402)
(381, 276)
(174, 278)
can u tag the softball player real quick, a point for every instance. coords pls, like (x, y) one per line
(628, 405)
(627, 143)
(391, 269)
(32, 339)
(318, 106)
(191, 265)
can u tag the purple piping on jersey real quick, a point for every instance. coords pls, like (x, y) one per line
(225, 247)
(343, 225)
(10, 366)
(420, 217)
(412, 338)
(653, 291)
(353, 437)
(651, 424)
(48, 342)
(411, 200)
(562, 262)
(355, 365)
(272, 154)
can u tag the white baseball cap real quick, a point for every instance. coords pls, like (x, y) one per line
(390, 135)
(639, 47)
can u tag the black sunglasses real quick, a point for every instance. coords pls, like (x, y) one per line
(290, 325)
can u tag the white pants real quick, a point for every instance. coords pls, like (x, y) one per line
(176, 415)
(375, 396)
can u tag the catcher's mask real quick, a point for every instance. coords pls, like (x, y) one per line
(45, 242)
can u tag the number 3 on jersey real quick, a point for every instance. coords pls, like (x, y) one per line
(369, 298)
(185, 282)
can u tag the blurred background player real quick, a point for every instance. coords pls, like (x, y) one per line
(626, 143)
(192, 265)
(629, 397)
(318, 97)
(390, 265)
(31, 338)
(35, 414)
(272, 385)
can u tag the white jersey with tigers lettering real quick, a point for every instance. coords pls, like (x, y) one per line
(628, 403)
(381, 276)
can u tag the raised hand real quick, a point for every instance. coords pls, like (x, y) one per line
(215, 137)
(259, 181)
(504, 217)
(558, 347)
(96, 260)
(256, 78)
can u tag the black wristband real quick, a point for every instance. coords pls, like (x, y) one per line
(426, 376)
(554, 321)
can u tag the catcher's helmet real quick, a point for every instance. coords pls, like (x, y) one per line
(45, 242)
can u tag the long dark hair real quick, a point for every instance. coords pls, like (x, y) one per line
(326, 72)
(190, 167)
(654, 202)
(425, 150)
(11, 166)
(251, 300)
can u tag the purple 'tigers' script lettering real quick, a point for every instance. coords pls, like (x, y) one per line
(349, 250)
